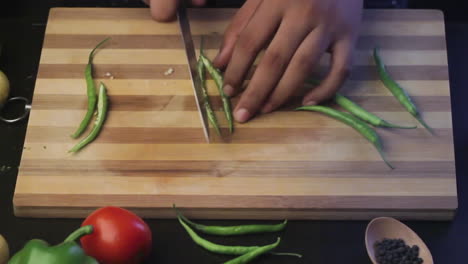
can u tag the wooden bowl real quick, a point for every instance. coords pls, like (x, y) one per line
(386, 227)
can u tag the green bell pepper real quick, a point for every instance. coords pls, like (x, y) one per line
(39, 252)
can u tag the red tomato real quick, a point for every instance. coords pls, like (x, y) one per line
(119, 237)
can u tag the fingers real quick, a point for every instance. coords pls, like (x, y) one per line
(306, 57)
(240, 20)
(198, 2)
(251, 40)
(164, 10)
(271, 68)
(340, 69)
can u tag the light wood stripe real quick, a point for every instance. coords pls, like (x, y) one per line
(225, 14)
(178, 57)
(71, 41)
(186, 119)
(188, 186)
(139, 168)
(313, 151)
(187, 103)
(156, 71)
(150, 27)
(129, 135)
(296, 165)
(184, 87)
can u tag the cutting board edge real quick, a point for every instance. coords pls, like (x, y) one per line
(246, 214)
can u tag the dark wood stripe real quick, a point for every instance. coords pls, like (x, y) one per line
(422, 72)
(402, 42)
(156, 71)
(132, 135)
(187, 103)
(402, 15)
(143, 168)
(312, 202)
(225, 14)
(70, 41)
(242, 214)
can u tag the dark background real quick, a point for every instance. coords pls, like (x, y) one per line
(22, 25)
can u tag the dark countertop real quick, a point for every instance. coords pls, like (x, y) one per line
(22, 27)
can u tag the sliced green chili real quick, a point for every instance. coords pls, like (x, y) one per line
(101, 116)
(209, 110)
(234, 230)
(397, 91)
(363, 114)
(90, 92)
(352, 121)
(247, 257)
(219, 80)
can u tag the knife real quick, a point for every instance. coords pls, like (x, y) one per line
(192, 63)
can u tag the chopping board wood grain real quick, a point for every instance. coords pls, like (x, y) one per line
(296, 165)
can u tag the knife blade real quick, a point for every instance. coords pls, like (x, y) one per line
(192, 63)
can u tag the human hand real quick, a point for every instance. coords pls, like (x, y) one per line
(165, 10)
(300, 31)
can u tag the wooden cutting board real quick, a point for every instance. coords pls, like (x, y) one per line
(296, 165)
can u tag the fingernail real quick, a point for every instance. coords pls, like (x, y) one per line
(310, 102)
(242, 115)
(228, 90)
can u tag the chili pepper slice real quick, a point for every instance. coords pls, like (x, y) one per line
(398, 92)
(363, 114)
(233, 230)
(90, 92)
(219, 80)
(101, 116)
(209, 110)
(247, 257)
(354, 122)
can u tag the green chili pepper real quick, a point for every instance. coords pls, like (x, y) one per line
(219, 80)
(222, 249)
(397, 91)
(90, 92)
(38, 251)
(363, 114)
(101, 116)
(215, 248)
(234, 230)
(247, 257)
(352, 121)
(209, 110)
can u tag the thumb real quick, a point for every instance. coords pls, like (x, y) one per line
(163, 10)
